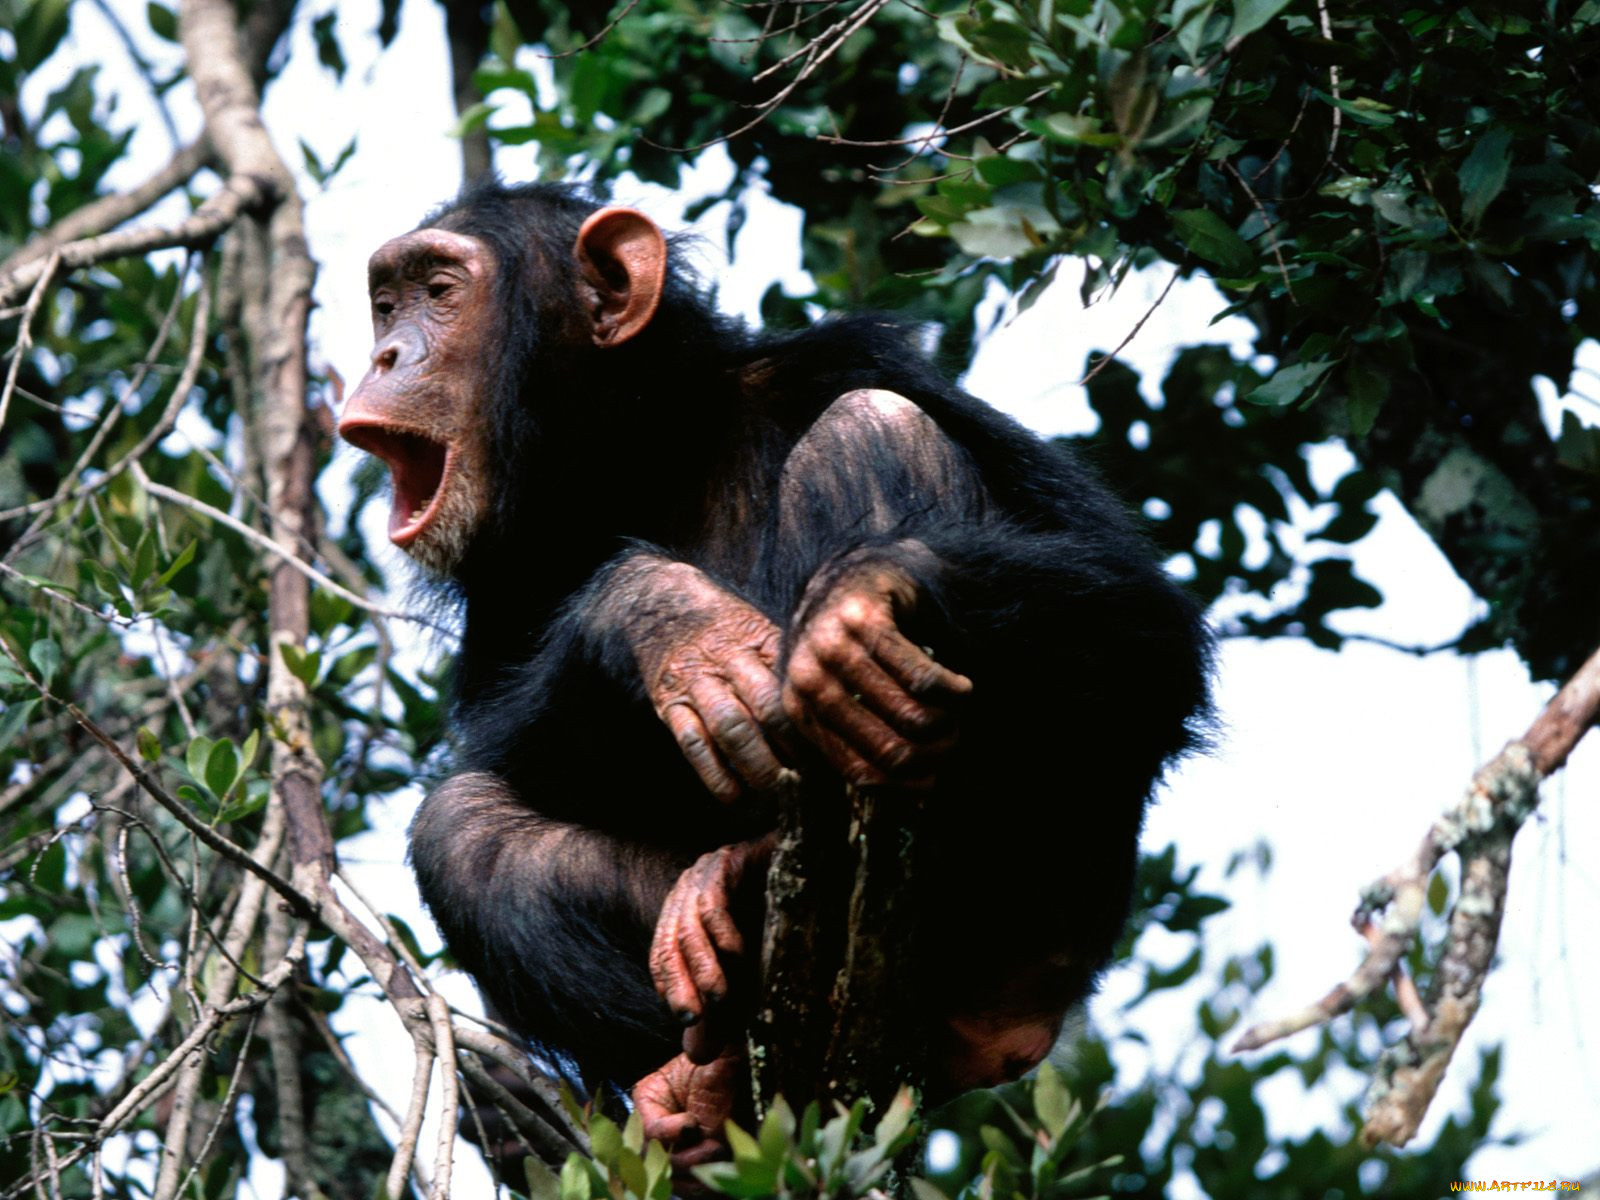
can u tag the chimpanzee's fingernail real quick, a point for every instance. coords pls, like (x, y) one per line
(686, 1017)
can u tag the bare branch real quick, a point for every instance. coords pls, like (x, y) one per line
(444, 1047)
(405, 1149)
(1106, 359)
(110, 211)
(1479, 829)
(25, 332)
(238, 194)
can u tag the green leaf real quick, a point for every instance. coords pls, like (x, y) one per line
(144, 560)
(1004, 231)
(1052, 1102)
(575, 1181)
(652, 104)
(1438, 894)
(303, 665)
(162, 20)
(1289, 384)
(630, 1169)
(149, 745)
(745, 1148)
(1483, 175)
(184, 558)
(1251, 15)
(1366, 388)
(657, 1172)
(45, 656)
(13, 719)
(473, 118)
(777, 1130)
(241, 808)
(896, 1119)
(605, 1140)
(222, 768)
(196, 756)
(247, 752)
(1210, 237)
(324, 33)
(195, 798)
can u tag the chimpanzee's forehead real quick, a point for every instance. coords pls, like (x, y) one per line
(424, 249)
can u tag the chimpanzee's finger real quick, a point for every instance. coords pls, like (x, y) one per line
(697, 1154)
(845, 713)
(706, 1041)
(835, 750)
(915, 668)
(695, 742)
(711, 907)
(663, 1127)
(700, 957)
(757, 685)
(869, 684)
(738, 735)
(671, 974)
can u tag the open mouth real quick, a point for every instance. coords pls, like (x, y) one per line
(417, 465)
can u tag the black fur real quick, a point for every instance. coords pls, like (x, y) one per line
(1090, 666)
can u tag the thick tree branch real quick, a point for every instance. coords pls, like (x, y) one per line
(1479, 828)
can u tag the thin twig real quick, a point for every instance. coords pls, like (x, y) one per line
(261, 540)
(25, 331)
(141, 67)
(590, 44)
(1107, 359)
(214, 840)
(1267, 224)
(169, 417)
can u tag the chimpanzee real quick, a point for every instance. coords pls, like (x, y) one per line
(693, 557)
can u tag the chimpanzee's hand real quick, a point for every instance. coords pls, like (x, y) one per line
(698, 926)
(707, 660)
(685, 1106)
(879, 708)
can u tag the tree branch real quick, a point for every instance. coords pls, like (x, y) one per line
(1479, 828)
(110, 211)
(238, 194)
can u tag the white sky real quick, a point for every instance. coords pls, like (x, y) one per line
(1339, 760)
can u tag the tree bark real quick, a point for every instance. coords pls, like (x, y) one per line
(837, 1020)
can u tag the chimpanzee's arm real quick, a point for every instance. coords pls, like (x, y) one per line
(1048, 607)
(646, 630)
(552, 919)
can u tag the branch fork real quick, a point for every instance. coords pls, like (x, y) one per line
(1478, 829)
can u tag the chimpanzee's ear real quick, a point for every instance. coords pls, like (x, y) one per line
(623, 259)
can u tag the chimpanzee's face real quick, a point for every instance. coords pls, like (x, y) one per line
(422, 405)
